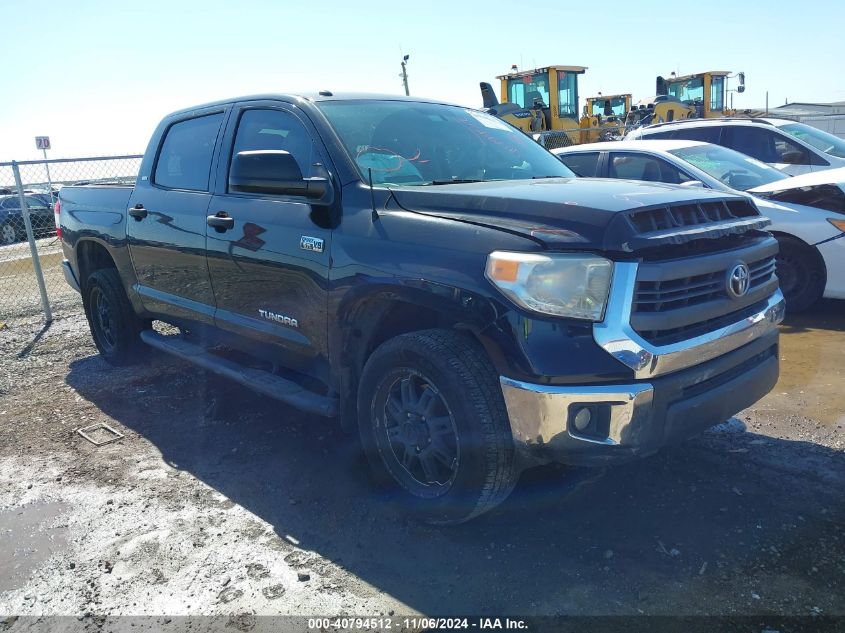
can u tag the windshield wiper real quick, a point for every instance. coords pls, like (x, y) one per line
(457, 181)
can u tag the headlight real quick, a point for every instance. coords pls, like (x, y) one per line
(566, 285)
(839, 224)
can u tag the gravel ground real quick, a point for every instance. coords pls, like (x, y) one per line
(219, 502)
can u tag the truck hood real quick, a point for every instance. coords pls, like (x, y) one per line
(579, 213)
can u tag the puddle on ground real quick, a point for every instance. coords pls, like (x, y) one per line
(27, 539)
(812, 371)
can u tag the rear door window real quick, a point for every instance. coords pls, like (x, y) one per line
(709, 134)
(634, 166)
(584, 164)
(753, 141)
(660, 135)
(768, 146)
(184, 161)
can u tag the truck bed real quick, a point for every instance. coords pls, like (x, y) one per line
(100, 205)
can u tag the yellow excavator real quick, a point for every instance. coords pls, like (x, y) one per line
(542, 102)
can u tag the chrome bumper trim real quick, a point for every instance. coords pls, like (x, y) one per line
(539, 413)
(616, 336)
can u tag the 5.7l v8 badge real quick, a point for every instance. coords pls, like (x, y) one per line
(307, 243)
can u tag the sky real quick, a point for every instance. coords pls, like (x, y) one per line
(98, 76)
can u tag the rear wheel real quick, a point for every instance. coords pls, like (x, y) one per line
(8, 234)
(434, 426)
(114, 325)
(801, 273)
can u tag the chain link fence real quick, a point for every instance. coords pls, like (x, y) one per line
(31, 278)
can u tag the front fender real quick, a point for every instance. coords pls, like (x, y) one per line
(808, 224)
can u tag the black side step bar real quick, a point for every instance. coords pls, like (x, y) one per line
(261, 381)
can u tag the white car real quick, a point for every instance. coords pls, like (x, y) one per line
(794, 148)
(811, 262)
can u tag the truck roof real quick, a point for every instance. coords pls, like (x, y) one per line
(323, 95)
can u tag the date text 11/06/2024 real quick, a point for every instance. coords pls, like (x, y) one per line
(382, 623)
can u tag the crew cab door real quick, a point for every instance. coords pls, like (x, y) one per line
(269, 268)
(167, 220)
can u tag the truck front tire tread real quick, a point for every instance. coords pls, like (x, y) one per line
(464, 369)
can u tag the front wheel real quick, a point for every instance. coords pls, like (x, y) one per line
(433, 423)
(801, 273)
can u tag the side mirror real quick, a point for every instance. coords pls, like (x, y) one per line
(273, 172)
(660, 87)
(692, 183)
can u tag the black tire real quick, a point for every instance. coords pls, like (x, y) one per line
(466, 435)
(114, 325)
(801, 273)
(9, 234)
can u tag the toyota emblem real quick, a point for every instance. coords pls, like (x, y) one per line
(738, 281)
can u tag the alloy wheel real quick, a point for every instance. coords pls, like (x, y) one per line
(416, 433)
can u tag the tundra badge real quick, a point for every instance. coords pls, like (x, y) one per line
(278, 318)
(311, 244)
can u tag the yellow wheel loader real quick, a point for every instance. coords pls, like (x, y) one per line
(700, 95)
(542, 102)
(604, 117)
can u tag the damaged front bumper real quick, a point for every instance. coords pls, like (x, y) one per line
(676, 390)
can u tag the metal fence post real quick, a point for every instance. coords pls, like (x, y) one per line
(49, 181)
(30, 236)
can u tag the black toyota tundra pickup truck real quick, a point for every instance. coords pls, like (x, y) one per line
(432, 278)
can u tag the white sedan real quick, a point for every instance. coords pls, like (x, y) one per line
(807, 212)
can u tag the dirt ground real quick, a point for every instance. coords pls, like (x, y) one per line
(217, 501)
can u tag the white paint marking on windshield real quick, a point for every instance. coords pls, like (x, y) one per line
(489, 121)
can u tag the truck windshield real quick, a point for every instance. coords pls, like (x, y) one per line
(828, 143)
(413, 143)
(736, 170)
(608, 106)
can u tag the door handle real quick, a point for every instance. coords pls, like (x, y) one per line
(220, 221)
(138, 212)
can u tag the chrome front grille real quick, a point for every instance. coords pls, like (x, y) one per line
(670, 294)
(679, 299)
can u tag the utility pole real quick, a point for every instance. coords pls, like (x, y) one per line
(404, 74)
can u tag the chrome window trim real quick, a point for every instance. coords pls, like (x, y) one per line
(616, 336)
